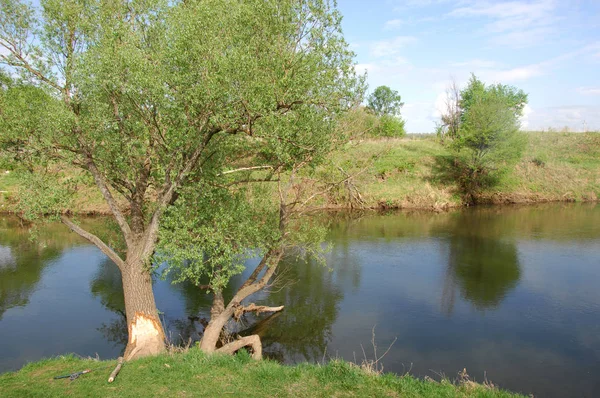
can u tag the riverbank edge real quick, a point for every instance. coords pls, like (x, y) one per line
(411, 174)
(194, 373)
(494, 199)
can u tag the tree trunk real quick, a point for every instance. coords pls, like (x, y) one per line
(220, 314)
(212, 332)
(146, 335)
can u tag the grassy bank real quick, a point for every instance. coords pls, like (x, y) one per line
(412, 173)
(194, 374)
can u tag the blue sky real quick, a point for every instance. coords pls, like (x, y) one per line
(549, 48)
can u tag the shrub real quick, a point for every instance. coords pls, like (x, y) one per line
(488, 145)
(389, 126)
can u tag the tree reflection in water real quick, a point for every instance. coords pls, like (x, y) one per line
(303, 330)
(107, 286)
(22, 261)
(483, 262)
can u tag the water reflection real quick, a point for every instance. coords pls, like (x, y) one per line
(300, 333)
(22, 262)
(20, 271)
(518, 289)
(107, 286)
(44, 294)
(311, 299)
(483, 261)
(484, 269)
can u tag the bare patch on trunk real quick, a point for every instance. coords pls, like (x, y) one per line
(145, 337)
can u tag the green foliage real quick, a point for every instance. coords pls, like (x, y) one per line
(385, 104)
(385, 101)
(511, 97)
(357, 122)
(211, 231)
(274, 75)
(28, 113)
(459, 103)
(488, 145)
(483, 122)
(43, 194)
(390, 126)
(361, 121)
(159, 99)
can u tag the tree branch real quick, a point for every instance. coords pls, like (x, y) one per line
(96, 241)
(245, 169)
(271, 261)
(241, 310)
(91, 166)
(261, 266)
(167, 195)
(25, 65)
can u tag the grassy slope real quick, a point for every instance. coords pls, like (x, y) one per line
(558, 166)
(194, 374)
(407, 173)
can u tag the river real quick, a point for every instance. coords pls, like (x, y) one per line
(512, 294)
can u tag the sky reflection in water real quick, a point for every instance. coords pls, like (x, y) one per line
(511, 293)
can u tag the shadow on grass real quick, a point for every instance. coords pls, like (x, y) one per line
(445, 171)
(467, 181)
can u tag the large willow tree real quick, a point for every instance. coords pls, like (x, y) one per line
(161, 102)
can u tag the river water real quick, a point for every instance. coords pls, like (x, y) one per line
(512, 294)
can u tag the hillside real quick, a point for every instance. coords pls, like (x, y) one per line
(412, 172)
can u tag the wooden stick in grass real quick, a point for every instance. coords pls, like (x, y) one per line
(116, 371)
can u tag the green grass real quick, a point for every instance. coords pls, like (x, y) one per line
(397, 172)
(557, 166)
(7, 180)
(408, 173)
(194, 374)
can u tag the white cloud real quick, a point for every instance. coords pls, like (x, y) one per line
(508, 13)
(527, 111)
(396, 61)
(439, 106)
(393, 24)
(576, 118)
(419, 116)
(392, 47)
(589, 90)
(516, 23)
(522, 38)
(514, 74)
(526, 72)
(362, 68)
